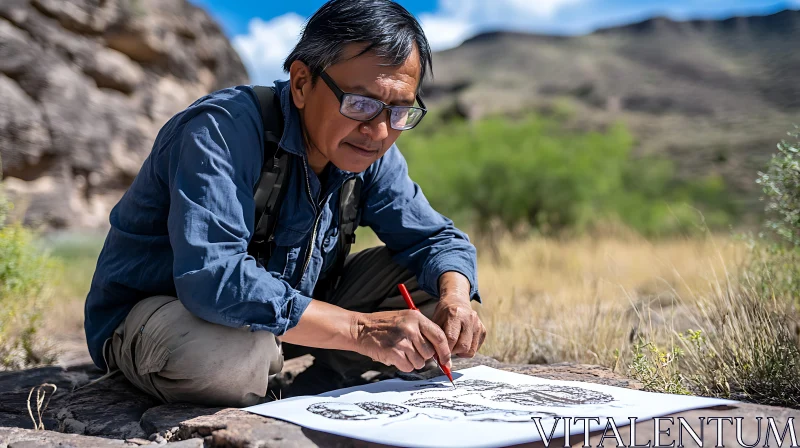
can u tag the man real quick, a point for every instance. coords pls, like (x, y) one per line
(179, 306)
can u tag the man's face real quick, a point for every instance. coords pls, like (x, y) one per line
(331, 137)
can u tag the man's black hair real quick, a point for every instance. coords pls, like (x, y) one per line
(387, 28)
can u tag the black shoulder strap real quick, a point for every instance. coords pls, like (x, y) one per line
(270, 190)
(274, 174)
(349, 199)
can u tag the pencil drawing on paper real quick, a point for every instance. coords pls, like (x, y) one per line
(439, 402)
(356, 411)
(526, 395)
(554, 395)
(453, 409)
(485, 413)
(463, 386)
(488, 407)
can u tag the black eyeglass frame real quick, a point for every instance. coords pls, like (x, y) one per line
(340, 95)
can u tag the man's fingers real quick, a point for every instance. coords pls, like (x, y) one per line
(403, 364)
(452, 330)
(424, 348)
(464, 341)
(436, 337)
(416, 360)
(477, 338)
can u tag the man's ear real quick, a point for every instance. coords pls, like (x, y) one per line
(300, 83)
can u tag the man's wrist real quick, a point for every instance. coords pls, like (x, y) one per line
(454, 285)
(357, 324)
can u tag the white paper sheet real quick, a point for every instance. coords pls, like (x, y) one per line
(488, 407)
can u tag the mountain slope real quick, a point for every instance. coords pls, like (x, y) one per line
(715, 96)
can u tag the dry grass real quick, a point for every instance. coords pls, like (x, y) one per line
(681, 315)
(618, 300)
(584, 299)
(69, 285)
(546, 300)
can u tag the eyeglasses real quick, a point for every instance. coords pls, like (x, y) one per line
(363, 108)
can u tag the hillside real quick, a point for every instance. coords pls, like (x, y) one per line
(714, 96)
(87, 85)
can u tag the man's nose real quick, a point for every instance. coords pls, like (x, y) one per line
(378, 128)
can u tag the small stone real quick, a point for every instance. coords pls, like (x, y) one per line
(72, 426)
(152, 437)
(160, 440)
(164, 419)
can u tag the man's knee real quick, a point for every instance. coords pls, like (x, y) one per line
(180, 357)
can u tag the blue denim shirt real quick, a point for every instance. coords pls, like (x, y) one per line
(183, 226)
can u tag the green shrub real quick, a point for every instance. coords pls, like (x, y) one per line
(23, 296)
(775, 263)
(536, 173)
(656, 368)
(747, 347)
(775, 269)
(781, 186)
(748, 344)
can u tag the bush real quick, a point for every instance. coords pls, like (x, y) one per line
(777, 263)
(747, 346)
(744, 345)
(781, 186)
(23, 296)
(534, 173)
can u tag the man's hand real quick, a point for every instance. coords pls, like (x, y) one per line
(404, 339)
(463, 328)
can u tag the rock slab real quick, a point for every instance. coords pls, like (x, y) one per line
(122, 416)
(86, 85)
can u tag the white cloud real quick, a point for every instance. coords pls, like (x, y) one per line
(479, 11)
(457, 20)
(267, 44)
(445, 32)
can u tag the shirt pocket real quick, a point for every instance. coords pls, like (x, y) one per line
(292, 254)
(288, 243)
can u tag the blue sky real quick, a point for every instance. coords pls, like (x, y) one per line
(263, 32)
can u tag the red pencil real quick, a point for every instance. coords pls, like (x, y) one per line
(411, 306)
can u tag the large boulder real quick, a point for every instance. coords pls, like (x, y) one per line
(86, 85)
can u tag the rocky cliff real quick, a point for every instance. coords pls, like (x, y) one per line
(85, 87)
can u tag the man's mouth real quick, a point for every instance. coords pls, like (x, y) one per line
(362, 150)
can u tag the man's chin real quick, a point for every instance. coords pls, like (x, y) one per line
(351, 166)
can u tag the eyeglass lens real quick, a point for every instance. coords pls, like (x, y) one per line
(364, 108)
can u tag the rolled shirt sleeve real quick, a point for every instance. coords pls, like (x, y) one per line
(419, 238)
(211, 218)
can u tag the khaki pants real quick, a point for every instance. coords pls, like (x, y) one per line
(175, 356)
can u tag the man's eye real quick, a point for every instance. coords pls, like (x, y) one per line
(365, 105)
(361, 105)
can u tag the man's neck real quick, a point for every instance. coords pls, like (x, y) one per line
(316, 161)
